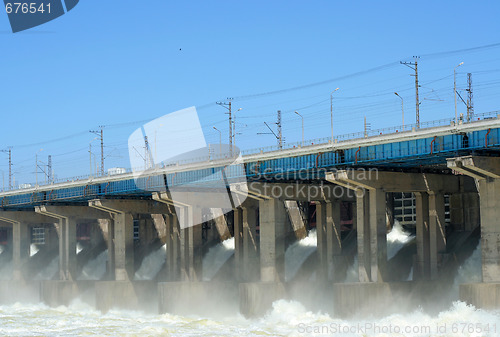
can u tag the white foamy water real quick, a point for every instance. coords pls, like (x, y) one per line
(79, 248)
(33, 249)
(1, 249)
(215, 258)
(96, 268)
(287, 318)
(397, 238)
(298, 252)
(49, 271)
(152, 264)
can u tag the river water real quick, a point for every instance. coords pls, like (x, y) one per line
(286, 318)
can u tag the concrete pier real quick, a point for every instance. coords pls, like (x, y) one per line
(486, 172)
(257, 297)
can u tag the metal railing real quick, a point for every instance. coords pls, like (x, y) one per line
(296, 145)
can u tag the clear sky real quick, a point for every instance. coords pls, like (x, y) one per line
(123, 63)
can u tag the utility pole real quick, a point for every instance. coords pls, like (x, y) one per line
(470, 105)
(148, 159)
(49, 169)
(414, 66)
(280, 135)
(231, 124)
(9, 151)
(101, 134)
(228, 107)
(367, 127)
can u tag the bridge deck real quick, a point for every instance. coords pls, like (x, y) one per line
(414, 149)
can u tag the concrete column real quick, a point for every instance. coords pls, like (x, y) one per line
(191, 243)
(124, 246)
(160, 226)
(67, 249)
(486, 172)
(333, 241)
(111, 266)
(490, 231)
(464, 211)
(238, 244)
(378, 234)
(272, 243)
(372, 235)
(250, 244)
(169, 258)
(175, 248)
(389, 210)
(321, 240)
(20, 248)
(296, 219)
(221, 224)
(437, 232)
(423, 239)
(363, 233)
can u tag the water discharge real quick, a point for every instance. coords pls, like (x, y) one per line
(286, 318)
(49, 271)
(33, 249)
(397, 238)
(297, 253)
(216, 257)
(96, 268)
(152, 264)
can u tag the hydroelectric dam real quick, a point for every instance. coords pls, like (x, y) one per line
(90, 238)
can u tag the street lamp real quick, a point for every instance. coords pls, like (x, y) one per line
(220, 140)
(234, 127)
(331, 110)
(402, 109)
(302, 127)
(455, 91)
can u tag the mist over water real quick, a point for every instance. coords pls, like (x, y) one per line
(152, 264)
(298, 252)
(216, 257)
(96, 268)
(470, 270)
(397, 238)
(49, 271)
(6, 271)
(286, 318)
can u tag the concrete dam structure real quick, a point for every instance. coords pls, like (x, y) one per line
(120, 241)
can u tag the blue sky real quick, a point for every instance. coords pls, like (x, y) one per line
(122, 63)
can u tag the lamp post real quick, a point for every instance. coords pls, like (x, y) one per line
(302, 127)
(455, 91)
(331, 110)
(402, 109)
(220, 140)
(234, 127)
